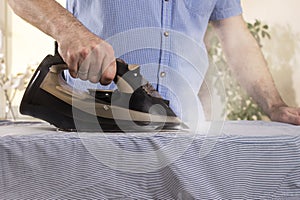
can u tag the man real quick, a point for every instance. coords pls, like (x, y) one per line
(82, 42)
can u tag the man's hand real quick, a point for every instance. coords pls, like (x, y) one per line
(88, 57)
(285, 114)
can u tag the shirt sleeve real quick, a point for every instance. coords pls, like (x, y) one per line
(225, 9)
(70, 5)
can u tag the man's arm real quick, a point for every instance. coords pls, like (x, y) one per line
(249, 66)
(88, 56)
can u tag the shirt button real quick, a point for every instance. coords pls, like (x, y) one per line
(166, 34)
(162, 74)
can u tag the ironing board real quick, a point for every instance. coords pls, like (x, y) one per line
(247, 160)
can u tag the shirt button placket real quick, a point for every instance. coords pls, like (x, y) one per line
(166, 25)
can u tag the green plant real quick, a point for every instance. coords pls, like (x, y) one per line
(239, 106)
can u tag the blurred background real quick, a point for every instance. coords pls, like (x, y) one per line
(22, 47)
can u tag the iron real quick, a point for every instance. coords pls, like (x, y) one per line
(134, 106)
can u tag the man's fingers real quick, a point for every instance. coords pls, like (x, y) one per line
(289, 118)
(109, 74)
(95, 58)
(108, 68)
(294, 120)
(84, 70)
(287, 115)
(102, 64)
(294, 116)
(83, 64)
(73, 59)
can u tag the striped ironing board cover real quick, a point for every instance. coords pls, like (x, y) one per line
(248, 160)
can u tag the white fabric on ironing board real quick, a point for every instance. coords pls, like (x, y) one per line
(250, 160)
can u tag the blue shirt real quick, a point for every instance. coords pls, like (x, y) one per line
(165, 37)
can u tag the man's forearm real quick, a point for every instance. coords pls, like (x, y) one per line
(47, 15)
(245, 58)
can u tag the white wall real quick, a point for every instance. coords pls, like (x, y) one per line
(2, 25)
(273, 11)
